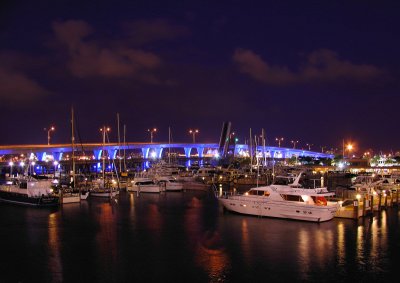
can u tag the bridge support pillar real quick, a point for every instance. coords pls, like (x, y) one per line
(158, 152)
(41, 156)
(187, 151)
(200, 151)
(145, 151)
(57, 156)
(97, 153)
(112, 153)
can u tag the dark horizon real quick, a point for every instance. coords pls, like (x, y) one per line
(319, 73)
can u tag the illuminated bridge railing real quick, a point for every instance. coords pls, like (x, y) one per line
(152, 150)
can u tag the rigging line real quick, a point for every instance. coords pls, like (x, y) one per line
(76, 128)
(113, 162)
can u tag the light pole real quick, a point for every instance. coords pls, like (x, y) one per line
(11, 165)
(294, 143)
(279, 140)
(51, 129)
(322, 149)
(151, 131)
(309, 146)
(349, 147)
(193, 132)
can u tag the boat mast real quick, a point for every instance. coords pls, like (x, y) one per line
(119, 145)
(251, 152)
(169, 145)
(104, 160)
(73, 145)
(124, 148)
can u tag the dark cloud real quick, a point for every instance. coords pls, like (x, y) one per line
(17, 87)
(89, 58)
(321, 66)
(150, 30)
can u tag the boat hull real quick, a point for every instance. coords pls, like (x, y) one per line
(23, 199)
(145, 189)
(285, 210)
(71, 199)
(103, 194)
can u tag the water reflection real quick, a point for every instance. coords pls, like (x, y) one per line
(184, 237)
(106, 237)
(54, 258)
(212, 257)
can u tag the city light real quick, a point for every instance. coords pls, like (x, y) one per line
(193, 133)
(51, 129)
(279, 140)
(152, 131)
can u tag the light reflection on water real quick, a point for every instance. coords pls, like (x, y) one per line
(54, 258)
(186, 237)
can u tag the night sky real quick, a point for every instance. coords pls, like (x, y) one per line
(310, 71)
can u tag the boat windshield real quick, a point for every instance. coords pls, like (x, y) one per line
(257, 193)
(281, 180)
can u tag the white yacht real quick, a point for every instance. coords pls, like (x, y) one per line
(144, 185)
(169, 183)
(284, 201)
(29, 191)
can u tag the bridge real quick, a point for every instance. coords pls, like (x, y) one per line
(150, 150)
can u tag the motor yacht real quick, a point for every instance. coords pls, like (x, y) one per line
(288, 201)
(29, 191)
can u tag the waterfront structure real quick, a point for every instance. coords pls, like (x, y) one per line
(152, 150)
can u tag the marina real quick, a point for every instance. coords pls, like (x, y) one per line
(199, 141)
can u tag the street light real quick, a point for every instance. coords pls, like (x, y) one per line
(349, 148)
(151, 131)
(309, 146)
(279, 140)
(103, 131)
(51, 129)
(294, 143)
(193, 132)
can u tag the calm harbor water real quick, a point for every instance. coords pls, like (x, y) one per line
(186, 237)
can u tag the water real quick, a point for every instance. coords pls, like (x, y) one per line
(186, 237)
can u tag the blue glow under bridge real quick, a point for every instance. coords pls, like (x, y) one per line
(151, 150)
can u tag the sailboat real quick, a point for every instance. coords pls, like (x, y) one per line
(103, 187)
(72, 194)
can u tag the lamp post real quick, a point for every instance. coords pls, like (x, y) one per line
(279, 140)
(11, 165)
(322, 149)
(349, 147)
(51, 129)
(193, 133)
(152, 131)
(294, 143)
(309, 146)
